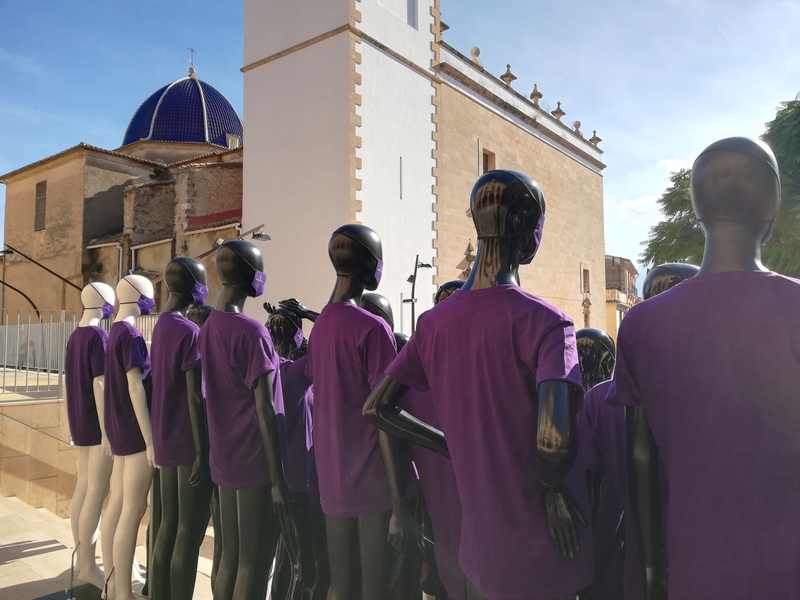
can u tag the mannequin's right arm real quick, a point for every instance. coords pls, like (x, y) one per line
(139, 402)
(66, 409)
(99, 402)
(645, 499)
(197, 418)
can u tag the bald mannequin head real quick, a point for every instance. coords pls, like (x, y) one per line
(736, 180)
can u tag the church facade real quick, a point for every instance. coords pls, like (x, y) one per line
(358, 110)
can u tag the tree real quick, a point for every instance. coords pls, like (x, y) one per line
(679, 237)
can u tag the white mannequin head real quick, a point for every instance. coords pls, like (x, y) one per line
(93, 298)
(130, 289)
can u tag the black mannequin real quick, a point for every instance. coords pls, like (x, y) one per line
(184, 501)
(663, 277)
(356, 545)
(596, 351)
(249, 515)
(285, 328)
(379, 306)
(507, 210)
(736, 196)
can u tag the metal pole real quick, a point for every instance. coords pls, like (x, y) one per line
(38, 264)
(414, 296)
(5, 347)
(16, 360)
(27, 351)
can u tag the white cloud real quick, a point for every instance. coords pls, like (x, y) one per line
(20, 63)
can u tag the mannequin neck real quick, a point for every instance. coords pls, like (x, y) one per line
(493, 265)
(731, 246)
(91, 317)
(177, 302)
(347, 289)
(232, 298)
(128, 312)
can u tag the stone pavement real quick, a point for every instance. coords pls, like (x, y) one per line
(35, 552)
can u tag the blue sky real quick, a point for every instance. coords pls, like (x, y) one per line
(659, 80)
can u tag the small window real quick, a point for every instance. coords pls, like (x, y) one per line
(41, 206)
(586, 284)
(412, 13)
(488, 161)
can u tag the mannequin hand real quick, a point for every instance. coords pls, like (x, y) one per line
(106, 446)
(289, 534)
(151, 456)
(300, 310)
(399, 527)
(199, 474)
(562, 514)
(655, 584)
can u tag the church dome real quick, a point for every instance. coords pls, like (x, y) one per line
(186, 110)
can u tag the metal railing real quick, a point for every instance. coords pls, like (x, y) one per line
(32, 350)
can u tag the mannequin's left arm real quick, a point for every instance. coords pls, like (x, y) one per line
(197, 418)
(383, 406)
(139, 402)
(268, 426)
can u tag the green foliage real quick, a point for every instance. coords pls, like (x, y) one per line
(679, 238)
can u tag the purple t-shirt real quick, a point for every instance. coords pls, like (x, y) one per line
(601, 450)
(85, 359)
(482, 354)
(714, 363)
(126, 350)
(439, 489)
(349, 349)
(174, 351)
(292, 424)
(236, 351)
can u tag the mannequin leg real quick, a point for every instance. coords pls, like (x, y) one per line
(257, 540)
(372, 532)
(319, 549)
(228, 540)
(194, 509)
(158, 570)
(136, 479)
(217, 536)
(110, 519)
(79, 495)
(342, 534)
(99, 473)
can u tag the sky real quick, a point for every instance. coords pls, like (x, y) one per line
(658, 80)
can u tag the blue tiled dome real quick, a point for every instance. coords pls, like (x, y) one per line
(186, 110)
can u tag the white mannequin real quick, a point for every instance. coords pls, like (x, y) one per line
(94, 462)
(133, 474)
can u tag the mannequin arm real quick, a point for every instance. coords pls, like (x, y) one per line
(382, 406)
(65, 414)
(197, 418)
(268, 425)
(555, 446)
(99, 401)
(645, 499)
(139, 402)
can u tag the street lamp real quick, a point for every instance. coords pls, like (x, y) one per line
(412, 279)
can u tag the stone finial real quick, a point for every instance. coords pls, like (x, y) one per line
(536, 95)
(595, 139)
(577, 127)
(475, 53)
(558, 112)
(508, 77)
(443, 26)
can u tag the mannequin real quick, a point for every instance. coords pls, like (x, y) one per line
(127, 423)
(378, 305)
(84, 366)
(599, 471)
(704, 405)
(348, 350)
(177, 402)
(243, 391)
(472, 339)
(285, 327)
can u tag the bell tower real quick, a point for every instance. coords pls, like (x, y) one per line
(340, 116)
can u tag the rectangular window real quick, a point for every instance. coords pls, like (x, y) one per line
(41, 206)
(412, 13)
(586, 284)
(488, 161)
